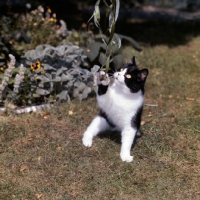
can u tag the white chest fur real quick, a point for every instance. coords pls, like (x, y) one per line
(120, 105)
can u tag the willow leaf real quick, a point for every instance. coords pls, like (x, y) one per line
(108, 11)
(96, 14)
(97, 17)
(111, 17)
(118, 40)
(117, 5)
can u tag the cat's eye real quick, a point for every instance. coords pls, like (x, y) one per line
(121, 70)
(128, 76)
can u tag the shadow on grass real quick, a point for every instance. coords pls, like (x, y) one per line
(153, 29)
(116, 137)
(159, 32)
(149, 28)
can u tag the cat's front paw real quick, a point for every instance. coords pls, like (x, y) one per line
(103, 78)
(87, 141)
(126, 158)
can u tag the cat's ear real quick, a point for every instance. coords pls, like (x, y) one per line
(143, 74)
(133, 60)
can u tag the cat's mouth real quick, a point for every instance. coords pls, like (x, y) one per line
(117, 79)
(116, 76)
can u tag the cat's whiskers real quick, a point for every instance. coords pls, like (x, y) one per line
(110, 75)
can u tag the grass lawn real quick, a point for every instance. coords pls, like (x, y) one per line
(42, 156)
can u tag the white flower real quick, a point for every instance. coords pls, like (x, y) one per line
(8, 74)
(19, 78)
(28, 6)
(40, 9)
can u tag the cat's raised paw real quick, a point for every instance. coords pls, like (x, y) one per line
(87, 142)
(126, 158)
(103, 78)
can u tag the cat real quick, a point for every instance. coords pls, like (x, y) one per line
(121, 106)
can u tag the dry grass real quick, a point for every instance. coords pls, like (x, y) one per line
(42, 157)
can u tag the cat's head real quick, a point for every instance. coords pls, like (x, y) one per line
(129, 76)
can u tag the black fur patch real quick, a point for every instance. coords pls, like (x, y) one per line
(102, 89)
(136, 119)
(135, 83)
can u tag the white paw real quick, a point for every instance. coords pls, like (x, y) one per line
(126, 158)
(87, 141)
(103, 78)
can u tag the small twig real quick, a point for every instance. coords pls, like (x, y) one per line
(193, 130)
(106, 4)
(148, 104)
(29, 109)
(163, 115)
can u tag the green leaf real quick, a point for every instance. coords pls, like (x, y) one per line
(15, 70)
(66, 77)
(93, 51)
(41, 84)
(57, 79)
(31, 54)
(81, 86)
(131, 40)
(64, 68)
(38, 71)
(45, 79)
(11, 81)
(42, 91)
(85, 93)
(1, 75)
(59, 72)
(63, 95)
(28, 33)
(71, 49)
(76, 93)
(47, 66)
(36, 95)
(49, 76)
(118, 61)
(102, 58)
(51, 99)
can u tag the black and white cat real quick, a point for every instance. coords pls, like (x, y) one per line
(120, 105)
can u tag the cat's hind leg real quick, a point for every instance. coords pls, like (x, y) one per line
(98, 125)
